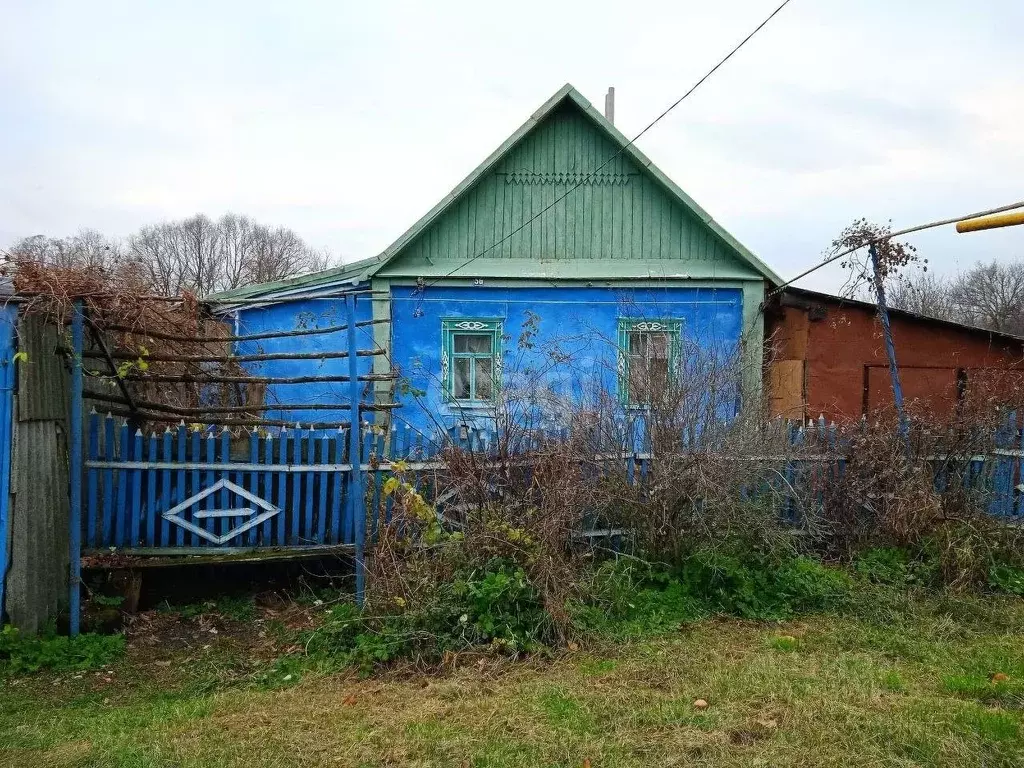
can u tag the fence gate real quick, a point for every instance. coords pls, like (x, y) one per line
(202, 488)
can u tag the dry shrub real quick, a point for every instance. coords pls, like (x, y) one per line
(681, 470)
(121, 310)
(706, 477)
(518, 508)
(926, 489)
(881, 497)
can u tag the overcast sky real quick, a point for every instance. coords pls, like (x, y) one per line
(347, 121)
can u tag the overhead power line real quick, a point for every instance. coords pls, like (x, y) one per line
(900, 233)
(628, 144)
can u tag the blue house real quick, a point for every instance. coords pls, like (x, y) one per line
(561, 266)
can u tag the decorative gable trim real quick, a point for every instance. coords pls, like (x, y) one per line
(569, 179)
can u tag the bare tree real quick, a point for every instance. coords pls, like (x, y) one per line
(924, 293)
(205, 256)
(88, 248)
(196, 254)
(894, 257)
(987, 295)
(992, 296)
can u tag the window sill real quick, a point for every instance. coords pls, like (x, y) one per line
(469, 405)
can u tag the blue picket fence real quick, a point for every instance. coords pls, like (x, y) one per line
(287, 488)
(186, 488)
(210, 488)
(994, 472)
(293, 488)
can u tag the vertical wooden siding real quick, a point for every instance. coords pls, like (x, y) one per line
(621, 213)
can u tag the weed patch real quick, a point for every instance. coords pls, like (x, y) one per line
(31, 653)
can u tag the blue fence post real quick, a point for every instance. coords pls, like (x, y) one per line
(75, 467)
(1019, 445)
(337, 523)
(121, 509)
(91, 504)
(282, 488)
(310, 459)
(136, 491)
(1001, 476)
(254, 482)
(8, 319)
(109, 454)
(166, 489)
(356, 489)
(268, 488)
(321, 511)
(296, 508)
(151, 494)
(225, 524)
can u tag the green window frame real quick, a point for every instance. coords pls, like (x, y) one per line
(647, 350)
(471, 360)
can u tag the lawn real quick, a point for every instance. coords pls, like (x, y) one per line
(936, 681)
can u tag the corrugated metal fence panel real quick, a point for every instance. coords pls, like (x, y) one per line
(42, 376)
(36, 580)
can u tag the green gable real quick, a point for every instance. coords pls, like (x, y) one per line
(626, 221)
(620, 222)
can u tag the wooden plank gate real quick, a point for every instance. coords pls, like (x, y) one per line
(204, 489)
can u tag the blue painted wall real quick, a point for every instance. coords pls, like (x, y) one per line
(569, 354)
(573, 347)
(294, 315)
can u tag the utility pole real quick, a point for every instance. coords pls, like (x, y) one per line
(890, 347)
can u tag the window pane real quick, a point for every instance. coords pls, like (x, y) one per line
(460, 378)
(473, 342)
(648, 353)
(637, 384)
(658, 374)
(484, 380)
(658, 345)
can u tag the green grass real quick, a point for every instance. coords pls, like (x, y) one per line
(898, 683)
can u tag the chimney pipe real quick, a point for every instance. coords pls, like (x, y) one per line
(609, 105)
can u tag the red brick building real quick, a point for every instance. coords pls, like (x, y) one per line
(828, 357)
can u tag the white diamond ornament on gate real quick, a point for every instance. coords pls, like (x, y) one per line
(175, 513)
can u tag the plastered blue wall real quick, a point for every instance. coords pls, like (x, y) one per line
(295, 315)
(573, 347)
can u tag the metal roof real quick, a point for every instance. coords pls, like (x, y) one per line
(871, 306)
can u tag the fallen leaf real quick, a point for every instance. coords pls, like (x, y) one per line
(586, 762)
(349, 701)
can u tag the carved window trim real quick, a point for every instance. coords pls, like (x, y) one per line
(450, 329)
